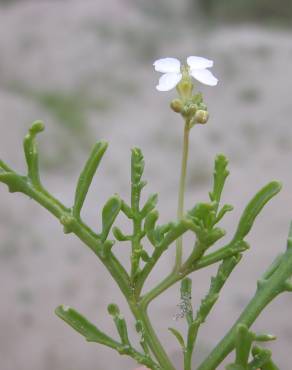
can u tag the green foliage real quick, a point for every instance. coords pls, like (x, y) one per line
(243, 343)
(92, 334)
(254, 207)
(202, 221)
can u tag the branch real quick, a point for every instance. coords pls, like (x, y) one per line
(176, 231)
(268, 289)
(223, 253)
(92, 334)
(30, 186)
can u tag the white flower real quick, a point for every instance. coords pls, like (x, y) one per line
(172, 74)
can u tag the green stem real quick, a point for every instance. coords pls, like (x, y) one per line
(187, 360)
(84, 233)
(136, 248)
(211, 258)
(140, 313)
(268, 289)
(181, 194)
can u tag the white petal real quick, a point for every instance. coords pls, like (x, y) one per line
(204, 76)
(167, 65)
(199, 62)
(168, 81)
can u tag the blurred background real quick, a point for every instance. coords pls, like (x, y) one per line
(85, 68)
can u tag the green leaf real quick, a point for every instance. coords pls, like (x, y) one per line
(86, 176)
(140, 329)
(118, 234)
(289, 239)
(262, 357)
(120, 323)
(78, 322)
(137, 166)
(149, 205)
(254, 207)
(4, 167)
(203, 214)
(31, 152)
(212, 236)
(113, 309)
(220, 175)
(226, 208)
(149, 226)
(127, 210)
(109, 213)
(179, 337)
(264, 337)
(268, 365)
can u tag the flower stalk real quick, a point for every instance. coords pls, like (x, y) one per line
(181, 194)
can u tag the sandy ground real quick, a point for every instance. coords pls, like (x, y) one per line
(96, 58)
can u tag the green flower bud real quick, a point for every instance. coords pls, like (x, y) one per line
(203, 106)
(192, 109)
(202, 116)
(176, 105)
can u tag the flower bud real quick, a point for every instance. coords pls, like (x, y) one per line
(203, 106)
(192, 109)
(202, 116)
(176, 105)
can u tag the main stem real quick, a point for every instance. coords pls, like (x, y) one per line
(181, 194)
(140, 313)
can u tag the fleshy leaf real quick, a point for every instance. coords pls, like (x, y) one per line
(120, 323)
(83, 326)
(137, 167)
(86, 176)
(31, 152)
(269, 364)
(254, 207)
(149, 205)
(262, 357)
(109, 213)
(149, 226)
(179, 337)
(220, 175)
(118, 234)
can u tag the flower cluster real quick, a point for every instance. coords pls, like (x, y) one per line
(175, 74)
(173, 71)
